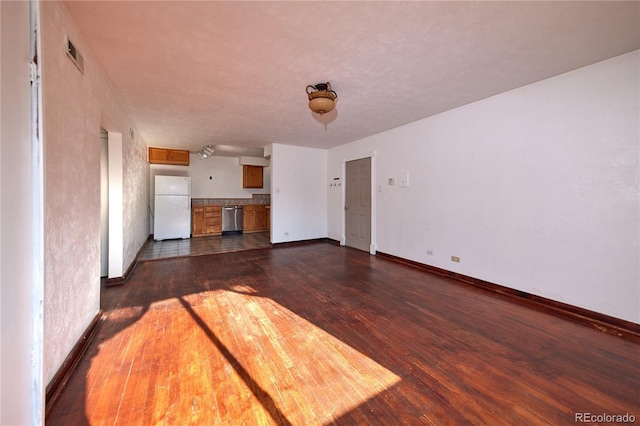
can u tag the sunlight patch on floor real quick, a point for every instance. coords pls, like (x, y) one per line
(323, 378)
(226, 357)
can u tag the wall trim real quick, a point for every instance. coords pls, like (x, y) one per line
(60, 379)
(602, 322)
(304, 242)
(115, 281)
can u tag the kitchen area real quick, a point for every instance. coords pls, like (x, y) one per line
(228, 207)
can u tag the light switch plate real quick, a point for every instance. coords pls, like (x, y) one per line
(403, 179)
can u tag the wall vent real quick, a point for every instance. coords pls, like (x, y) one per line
(74, 55)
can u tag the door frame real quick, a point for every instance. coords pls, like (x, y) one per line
(104, 203)
(374, 238)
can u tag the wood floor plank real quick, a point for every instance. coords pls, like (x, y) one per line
(319, 334)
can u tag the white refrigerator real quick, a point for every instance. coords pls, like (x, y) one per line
(172, 211)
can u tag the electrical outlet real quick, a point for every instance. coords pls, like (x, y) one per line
(392, 181)
(455, 259)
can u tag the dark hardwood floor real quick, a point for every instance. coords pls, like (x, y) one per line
(319, 334)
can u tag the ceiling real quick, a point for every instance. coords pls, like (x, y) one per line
(233, 74)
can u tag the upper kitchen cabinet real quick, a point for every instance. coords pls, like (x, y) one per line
(252, 177)
(177, 157)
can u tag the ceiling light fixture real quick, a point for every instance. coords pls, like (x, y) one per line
(321, 98)
(205, 152)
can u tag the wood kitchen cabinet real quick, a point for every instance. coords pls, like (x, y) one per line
(255, 218)
(177, 157)
(252, 176)
(269, 219)
(206, 220)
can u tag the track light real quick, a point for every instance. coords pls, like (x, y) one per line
(205, 152)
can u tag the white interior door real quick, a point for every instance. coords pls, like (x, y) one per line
(358, 204)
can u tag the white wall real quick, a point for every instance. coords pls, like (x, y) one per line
(298, 193)
(225, 174)
(535, 189)
(115, 174)
(76, 106)
(21, 393)
(226, 178)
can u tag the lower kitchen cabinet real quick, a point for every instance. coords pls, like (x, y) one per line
(255, 218)
(206, 220)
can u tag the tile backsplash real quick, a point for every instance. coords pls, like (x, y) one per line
(255, 199)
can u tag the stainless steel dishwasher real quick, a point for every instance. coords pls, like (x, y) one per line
(232, 217)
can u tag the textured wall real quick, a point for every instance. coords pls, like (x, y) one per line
(135, 196)
(535, 189)
(76, 105)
